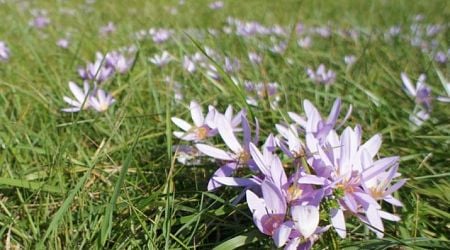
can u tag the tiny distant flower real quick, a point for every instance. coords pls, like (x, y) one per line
(305, 42)
(160, 35)
(255, 58)
(394, 31)
(324, 32)
(321, 75)
(216, 5)
(349, 60)
(40, 20)
(421, 92)
(107, 29)
(279, 48)
(119, 61)
(97, 71)
(101, 100)
(4, 51)
(63, 43)
(161, 60)
(212, 72)
(81, 101)
(189, 64)
(440, 57)
(232, 65)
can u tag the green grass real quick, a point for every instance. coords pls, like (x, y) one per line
(109, 180)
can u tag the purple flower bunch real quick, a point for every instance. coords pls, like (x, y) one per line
(321, 75)
(105, 66)
(97, 73)
(303, 181)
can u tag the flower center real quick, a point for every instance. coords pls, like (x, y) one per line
(202, 132)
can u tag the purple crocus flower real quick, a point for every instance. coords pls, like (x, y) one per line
(239, 155)
(119, 61)
(314, 123)
(161, 60)
(107, 29)
(63, 43)
(349, 60)
(216, 5)
(81, 101)
(421, 92)
(268, 212)
(4, 52)
(203, 127)
(160, 35)
(40, 19)
(97, 71)
(255, 58)
(440, 57)
(321, 75)
(189, 64)
(305, 42)
(100, 101)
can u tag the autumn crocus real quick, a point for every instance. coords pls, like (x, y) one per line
(312, 121)
(321, 75)
(4, 51)
(238, 157)
(161, 60)
(81, 101)
(202, 128)
(420, 92)
(101, 100)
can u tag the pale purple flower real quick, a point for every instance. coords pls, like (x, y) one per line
(160, 35)
(279, 48)
(107, 29)
(203, 127)
(161, 60)
(101, 100)
(419, 117)
(189, 64)
(324, 32)
(394, 31)
(4, 51)
(255, 58)
(119, 61)
(40, 19)
(440, 57)
(313, 122)
(212, 72)
(232, 65)
(350, 59)
(421, 92)
(238, 157)
(305, 42)
(216, 5)
(268, 212)
(97, 71)
(63, 43)
(322, 75)
(81, 101)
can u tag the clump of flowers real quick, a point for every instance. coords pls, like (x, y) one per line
(303, 181)
(87, 98)
(421, 93)
(321, 75)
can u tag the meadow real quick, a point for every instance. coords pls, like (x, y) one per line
(93, 94)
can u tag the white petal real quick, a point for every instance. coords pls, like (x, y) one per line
(306, 219)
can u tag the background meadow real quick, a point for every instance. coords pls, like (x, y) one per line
(110, 180)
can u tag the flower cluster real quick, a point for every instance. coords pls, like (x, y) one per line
(86, 98)
(302, 181)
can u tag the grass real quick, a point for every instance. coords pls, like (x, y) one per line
(109, 180)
